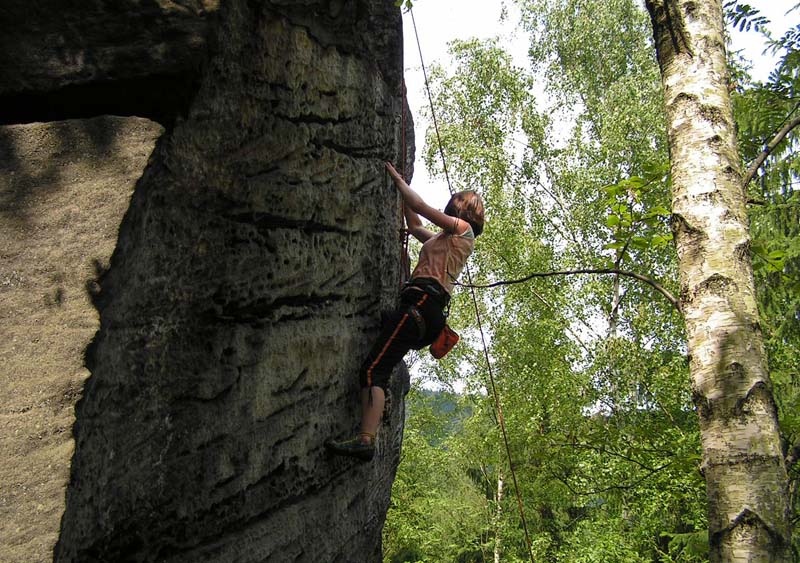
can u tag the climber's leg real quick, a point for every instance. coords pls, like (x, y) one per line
(371, 412)
(363, 445)
(401, 331)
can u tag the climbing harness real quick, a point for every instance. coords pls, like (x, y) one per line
(495, 394)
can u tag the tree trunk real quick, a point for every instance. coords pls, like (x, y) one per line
(742, 461)
(498, 540)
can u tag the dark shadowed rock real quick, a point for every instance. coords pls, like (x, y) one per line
(251, 267)
(78, 58)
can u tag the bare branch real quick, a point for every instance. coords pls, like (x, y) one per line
(655, 285)
(623, 487)
(611, 452)
(751, 172)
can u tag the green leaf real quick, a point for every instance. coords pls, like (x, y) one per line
(620, 208)
(659, 211)
(659, 241)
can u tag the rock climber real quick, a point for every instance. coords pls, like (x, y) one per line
(420, 317)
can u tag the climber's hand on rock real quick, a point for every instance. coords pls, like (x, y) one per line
(394, 173)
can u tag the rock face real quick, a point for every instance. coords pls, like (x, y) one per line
(253, 261)
(82, 58)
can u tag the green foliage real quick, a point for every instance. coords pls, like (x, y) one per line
(766, 259)
(592, 373)
(599, 426)
(691, 547)
(437, 513)
(478, 109)
(637, 222)
(743, 16)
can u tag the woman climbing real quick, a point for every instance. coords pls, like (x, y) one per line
(420, 316)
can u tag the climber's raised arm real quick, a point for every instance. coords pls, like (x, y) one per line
(414, 224)
(418, 206)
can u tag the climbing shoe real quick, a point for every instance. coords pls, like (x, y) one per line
(353, 447)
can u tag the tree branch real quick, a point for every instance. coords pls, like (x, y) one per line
(655, 285)
(624, 487)
(604, 450)
(751, 172)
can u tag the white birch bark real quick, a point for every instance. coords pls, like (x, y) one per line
(498, 541)
(742, 458)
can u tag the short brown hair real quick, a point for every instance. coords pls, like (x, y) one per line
(467, 205)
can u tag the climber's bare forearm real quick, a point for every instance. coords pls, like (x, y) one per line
(418, 205)
(415, 227)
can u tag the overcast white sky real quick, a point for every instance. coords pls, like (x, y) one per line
(441, 21)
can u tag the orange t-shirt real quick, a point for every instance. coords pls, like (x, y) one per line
(443, 256)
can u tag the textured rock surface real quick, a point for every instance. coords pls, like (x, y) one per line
(47, 44)
(79, 58)
(248, 278)
(64, 188)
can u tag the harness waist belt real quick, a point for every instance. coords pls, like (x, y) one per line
(432, 288)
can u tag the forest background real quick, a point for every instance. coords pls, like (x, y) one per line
(568, 146)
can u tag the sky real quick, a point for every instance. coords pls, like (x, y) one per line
(440, 21)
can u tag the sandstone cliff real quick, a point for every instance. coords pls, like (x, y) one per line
(254, 240)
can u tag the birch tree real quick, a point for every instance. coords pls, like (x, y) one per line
(742, 457)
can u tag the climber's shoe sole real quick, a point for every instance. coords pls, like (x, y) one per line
(351, 448)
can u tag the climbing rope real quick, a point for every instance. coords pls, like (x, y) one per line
(405, 266)
(495, 394)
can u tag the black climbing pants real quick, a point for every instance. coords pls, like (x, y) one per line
(414, 324)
